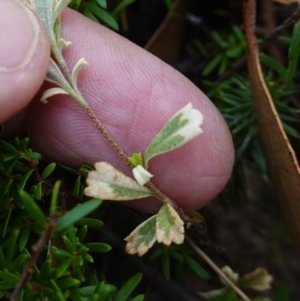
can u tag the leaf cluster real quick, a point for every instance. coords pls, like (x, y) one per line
(175, 259)
(30, 201)
(233, 96)
(101, 12)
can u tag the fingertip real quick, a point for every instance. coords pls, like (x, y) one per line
(24, 57)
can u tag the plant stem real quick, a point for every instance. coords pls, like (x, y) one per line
(217, 269)
(107, 136)
(158, 193)
(36, 250)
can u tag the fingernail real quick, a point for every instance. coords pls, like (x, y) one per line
(19, 32)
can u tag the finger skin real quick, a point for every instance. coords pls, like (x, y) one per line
(24, 57)
(134, 94)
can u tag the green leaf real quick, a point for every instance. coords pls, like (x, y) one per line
(142, 238)
(102, 3)
(32, 208)
(4, 285)
(60, 254)
(5, 146)
(195, 267)
(170, 6)
(78, 188)
(57, 293)
(212, 65)
(166, 265)
(54, 196)
(24, 180)
(9, 278)
(76, 214)
(38, 191)
(45, 271)
(20, 261)
(294, 52)
(98, 247)
(268, 61)
(156, 254)
(71, 233)
(6, 218)
(179, 270)
(90, 222)
(75, 294)
(86, 12)
(102, 15)
(87, 290)
(121, 6)
(214, 295)
(103, 289)
(70, 247)
(136, 159)
(235, 51)
(67, 283)
(23, 238)
(12, 245)
(63, 267)
(282, 292)
(48, 170)
(181, 128)
(175, 255)
(82, 233)
(139, 298)
(2, 259)
(169, 226)
(4, 189)
(231, 296)
(108, 183)
(88, 257)
(33, 155)
(128, 287)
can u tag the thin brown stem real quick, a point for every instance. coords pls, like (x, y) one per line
(36, 251)
(107, 136)
(157, 192)
(217, 269)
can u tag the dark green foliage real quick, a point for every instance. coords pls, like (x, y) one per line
(180, 257)
(224, 50)
(30, 200)
(233, 96)
(234, 99)
(97, 10)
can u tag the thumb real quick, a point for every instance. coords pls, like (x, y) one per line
(24, 57)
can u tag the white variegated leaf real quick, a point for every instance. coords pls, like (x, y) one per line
(108, 183)
(82, 62)
(142, 238)
(259, 280)
(55, 76)
(51, 92)
(181, 128)
(169, 226)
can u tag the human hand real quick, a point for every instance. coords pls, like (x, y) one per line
(132, 92)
